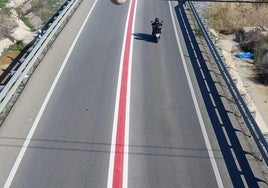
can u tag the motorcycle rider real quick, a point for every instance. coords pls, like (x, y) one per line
(156, 26)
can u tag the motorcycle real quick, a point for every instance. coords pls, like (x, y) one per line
(156, 31)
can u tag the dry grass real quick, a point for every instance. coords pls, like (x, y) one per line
(45, 9)
(228, 17)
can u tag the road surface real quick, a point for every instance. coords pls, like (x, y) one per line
(108, 107)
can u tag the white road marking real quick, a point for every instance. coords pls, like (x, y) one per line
(125, 173)
(116, 111)
(45, 102)
(113, 142)
(201, 121)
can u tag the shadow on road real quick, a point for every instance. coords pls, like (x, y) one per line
(229, 142)
(144, 37)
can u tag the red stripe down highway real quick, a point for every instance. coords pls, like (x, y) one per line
(118, 173)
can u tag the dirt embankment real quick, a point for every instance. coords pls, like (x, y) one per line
(239, 28)
(20, 20)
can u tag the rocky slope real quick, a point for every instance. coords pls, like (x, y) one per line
(19, 22)
(245, 29)
(21, 19)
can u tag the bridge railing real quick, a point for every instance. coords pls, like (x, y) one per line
(18, 75)
(237, 98)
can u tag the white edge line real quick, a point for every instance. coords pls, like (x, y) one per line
(113, 142)
(125, 170)
(45, 102)
(201, 121)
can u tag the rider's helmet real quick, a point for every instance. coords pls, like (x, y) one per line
(156, 20)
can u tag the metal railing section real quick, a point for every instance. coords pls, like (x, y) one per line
(238, 99)
(38, 45)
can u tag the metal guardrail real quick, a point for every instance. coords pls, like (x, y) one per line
(238, 99)
(38, 45)
(46, 34)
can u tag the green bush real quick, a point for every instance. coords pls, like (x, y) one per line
(261, 47)
(257, 56)
(247, 46)
(15, 47)
(5, 11)
(27, 22)
(3, 3)
(198, 31)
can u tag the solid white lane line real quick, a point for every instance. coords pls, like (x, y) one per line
(113, 142)
(45, 102)
(201, 121)
(125, 176)
(118, 165)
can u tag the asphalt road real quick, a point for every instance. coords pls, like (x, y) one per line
(71, 145)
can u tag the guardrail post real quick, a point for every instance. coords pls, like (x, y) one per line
(31, 59)
(246, 115)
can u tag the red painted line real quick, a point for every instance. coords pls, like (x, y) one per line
(120, 132)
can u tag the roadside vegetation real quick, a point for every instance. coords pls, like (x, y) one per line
(45, 9)
(29, 12)
(198, 31)
(228, 17)
(7, 24)
(233, 18)
(27, 22)
(3, 3)
(15, 47)
(33, 13)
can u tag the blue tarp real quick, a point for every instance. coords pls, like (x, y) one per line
(244, 55)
